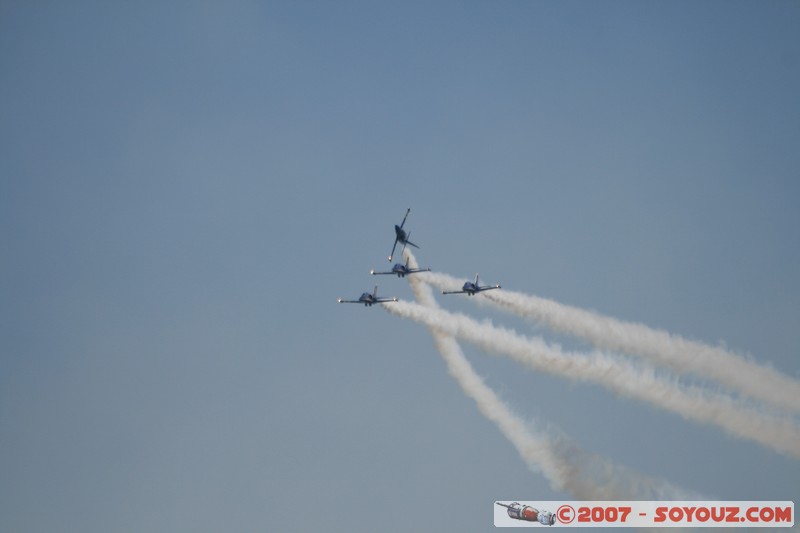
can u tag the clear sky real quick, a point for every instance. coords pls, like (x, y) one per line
(186, 187)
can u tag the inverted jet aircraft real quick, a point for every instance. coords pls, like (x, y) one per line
(401, 270)
(401, 236)
(368, 299)
(472, 287)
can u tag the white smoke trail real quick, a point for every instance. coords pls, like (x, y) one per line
(620, 376)
(564, 465)
(677, 353)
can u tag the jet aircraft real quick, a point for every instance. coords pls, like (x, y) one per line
(368, 299)
(401, 236)
(401, 270)
(472, 287)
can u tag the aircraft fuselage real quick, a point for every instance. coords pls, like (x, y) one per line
(470, 288)
(400, 270)
(400, 233)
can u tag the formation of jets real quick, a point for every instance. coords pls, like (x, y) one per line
(402, 270)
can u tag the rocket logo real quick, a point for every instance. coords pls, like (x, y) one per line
(528, 513)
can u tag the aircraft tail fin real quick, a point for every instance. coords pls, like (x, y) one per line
(408, 242)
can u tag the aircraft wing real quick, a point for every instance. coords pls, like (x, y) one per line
(384, 300)
(415, 270)
(405, 217)
(488, 287)
(453, 292)
(379, 273)
(393, 248)
(348, 301)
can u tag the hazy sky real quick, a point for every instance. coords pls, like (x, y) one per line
(186, 187)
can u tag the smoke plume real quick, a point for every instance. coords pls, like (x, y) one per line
(660, 347)
(563, 463)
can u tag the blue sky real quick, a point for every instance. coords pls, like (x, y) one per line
(186, 188)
